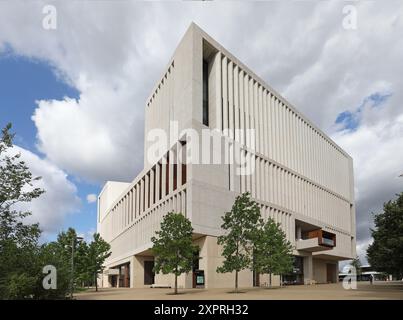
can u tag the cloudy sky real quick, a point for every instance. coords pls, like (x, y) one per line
(75, 94)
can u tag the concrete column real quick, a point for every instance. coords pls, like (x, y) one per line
(218, 106)
(299, 233)
(308, 269)
(225, 92)
(138, 272)
(253, 177)
(146, 191)
(292, 230)
(137, 212)
(258, 179)
(131, 205)
(179, 155)
(266, 182)
(171, 171)
(255, 114)
(230, 100)
(231, 166)
(241, 106)
(142, 206)
(118, 279)
(152, 192)
(236, 103)
(157, 182)
(132, 273)
(183, 199)
(260, 119)
(164, 177)
(246, 109)
(237, 177)
(266, 123)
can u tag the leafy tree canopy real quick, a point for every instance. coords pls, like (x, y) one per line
(273, 252)
(240, 227)
(385, 254)
(19, 247)
(173, 246)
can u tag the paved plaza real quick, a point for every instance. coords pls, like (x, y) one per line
(378, 290)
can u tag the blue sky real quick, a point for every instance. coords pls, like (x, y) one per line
(22, 82)
(351, 120)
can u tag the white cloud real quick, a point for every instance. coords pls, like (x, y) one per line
(88, 236)
(114, 52)
(377, 149)
(91, 198)
(60, 197)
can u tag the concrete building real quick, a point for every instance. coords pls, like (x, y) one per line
(301, 178)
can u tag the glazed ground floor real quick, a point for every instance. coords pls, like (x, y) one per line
(136, 271)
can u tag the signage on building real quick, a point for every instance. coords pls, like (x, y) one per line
(199, 278)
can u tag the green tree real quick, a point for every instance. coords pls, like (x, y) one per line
(356, 263)
(68, 244)
(98, 252)
(18, 240)
(385, 254)
(82, 271)
(240, 226)
(173, 246)
(272, 250)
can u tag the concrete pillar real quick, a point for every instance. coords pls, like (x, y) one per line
(236, 103)
(308, 269)
(142, 206)
(231, 165)
(164, 177)
(253, 177)
(118, 279)
(218, 105)
(152, 173)
(230, 100)
(146, 192)
(137, 212)
(132, 273)
(292, 230)
(171, 172)
(237, 162)
(179, 155)
(138, 272)
(241, 106)
(157, 182)
(299, 233)
(183, 199)
(225, 92)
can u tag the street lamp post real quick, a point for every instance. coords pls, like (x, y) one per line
(73, 240)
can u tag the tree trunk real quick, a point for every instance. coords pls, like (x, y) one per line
(270, 279)
(96, 283)
(236, 281)
(176, 284)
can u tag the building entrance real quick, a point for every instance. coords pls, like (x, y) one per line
(149, 274)
(330, 273)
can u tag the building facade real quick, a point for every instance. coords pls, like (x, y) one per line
(207, 99)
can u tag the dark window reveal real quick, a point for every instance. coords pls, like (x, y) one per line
(205, 93)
